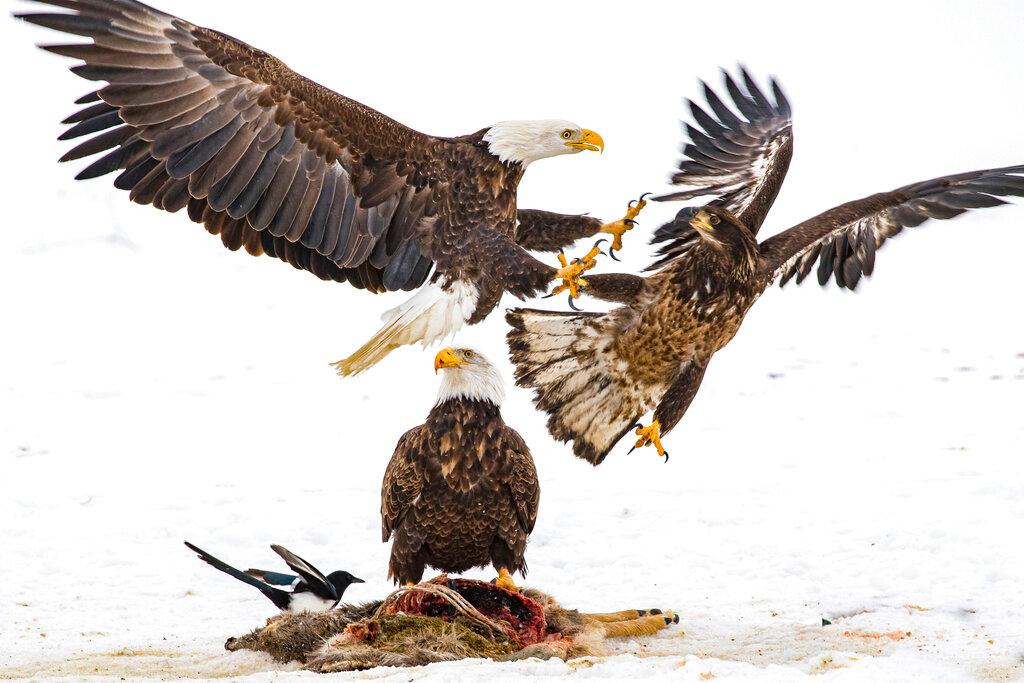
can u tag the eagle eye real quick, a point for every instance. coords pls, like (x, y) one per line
(566, 134)
(467, 354)
(715, 220)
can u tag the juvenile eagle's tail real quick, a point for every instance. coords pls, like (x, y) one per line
(566, 358)
(431, 314)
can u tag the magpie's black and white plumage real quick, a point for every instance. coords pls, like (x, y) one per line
(310, 591)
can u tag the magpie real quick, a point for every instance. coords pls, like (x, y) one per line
(310, 591)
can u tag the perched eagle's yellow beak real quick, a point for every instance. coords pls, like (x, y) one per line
(588, 139)
(446, 358)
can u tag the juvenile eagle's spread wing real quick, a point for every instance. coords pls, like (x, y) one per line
(262, 156)
(742, 158)
(844, 240)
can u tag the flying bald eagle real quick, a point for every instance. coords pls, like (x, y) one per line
(279, 165)
(598, 374)
(461, 490)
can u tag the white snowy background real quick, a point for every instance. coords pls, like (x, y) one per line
(853, 457)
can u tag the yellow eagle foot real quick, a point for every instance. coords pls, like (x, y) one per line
(570, 274)
(650, 436)
(624, 224)
(505, 581)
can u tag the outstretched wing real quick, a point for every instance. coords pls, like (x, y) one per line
(317, 582)
(260, 155)
(740, 157)
(844, 240)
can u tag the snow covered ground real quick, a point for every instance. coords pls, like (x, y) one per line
(857, 458)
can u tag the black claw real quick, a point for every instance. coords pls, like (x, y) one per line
(598, 243)
(668, 620)
(675, 618)
(666, 457)
(631, 449)
(573, 305)
(611, 252)
(547, 296)
(645, 194)
(629, 221)
(652, 611)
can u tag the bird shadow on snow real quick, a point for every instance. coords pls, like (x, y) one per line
(851, 639)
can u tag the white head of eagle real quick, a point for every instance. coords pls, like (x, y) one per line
(524, 142)
(468, 375)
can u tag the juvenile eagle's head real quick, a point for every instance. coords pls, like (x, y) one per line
(724, 232)
(527, 141)
(467, 374)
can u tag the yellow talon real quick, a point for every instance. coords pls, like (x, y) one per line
(570, 273)
(634, 209)
(648, 436)
(505, 581)
(617, 230)
(624, 224)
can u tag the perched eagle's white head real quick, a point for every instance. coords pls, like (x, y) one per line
(527, 141)
(468, 374)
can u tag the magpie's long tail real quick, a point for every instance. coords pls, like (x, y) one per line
(279, 597)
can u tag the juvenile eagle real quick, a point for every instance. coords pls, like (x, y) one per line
(461, 490)
(275, 163)
(597, 375)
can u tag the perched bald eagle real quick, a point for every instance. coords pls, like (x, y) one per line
(461, 490)
(279, 165)
(597, 375)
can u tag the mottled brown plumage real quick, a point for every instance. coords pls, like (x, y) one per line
(461, 489)
(276, 164)
(597, 374)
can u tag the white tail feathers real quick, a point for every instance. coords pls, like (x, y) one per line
(567, 358)
(430, 315)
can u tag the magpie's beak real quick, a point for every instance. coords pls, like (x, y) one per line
(356, 579)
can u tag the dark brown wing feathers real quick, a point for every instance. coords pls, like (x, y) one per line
(742, 158)
(843, 240)
(261, 155)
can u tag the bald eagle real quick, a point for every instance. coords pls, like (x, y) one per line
(276, 164)
(597, 375)
(461, 489)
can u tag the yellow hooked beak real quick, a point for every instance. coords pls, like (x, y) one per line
(446, 358)
(589, 140)
(702, 221)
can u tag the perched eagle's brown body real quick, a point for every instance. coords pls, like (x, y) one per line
(598, 374)
(460, 492)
